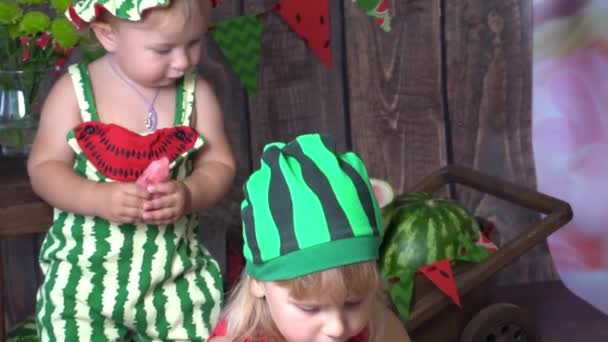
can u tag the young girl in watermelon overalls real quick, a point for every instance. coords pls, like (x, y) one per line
(122, 261)
(311, 228)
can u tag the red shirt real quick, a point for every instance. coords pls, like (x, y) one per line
(222, 326)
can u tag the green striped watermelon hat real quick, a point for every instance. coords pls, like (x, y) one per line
(307, 209)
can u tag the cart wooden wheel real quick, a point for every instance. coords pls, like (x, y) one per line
(501, 322)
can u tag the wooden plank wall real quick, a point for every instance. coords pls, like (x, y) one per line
(450, 83)
(19, 259)
(488, 70)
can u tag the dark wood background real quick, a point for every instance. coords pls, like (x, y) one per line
(450, 84)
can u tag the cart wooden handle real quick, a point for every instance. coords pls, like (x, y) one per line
(557, 214)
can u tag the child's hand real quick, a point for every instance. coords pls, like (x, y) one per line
(121, 202)
(168, 203)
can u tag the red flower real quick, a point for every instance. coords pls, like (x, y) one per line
(25, 55)
(59, 63)
(24, 41)
(43, 40)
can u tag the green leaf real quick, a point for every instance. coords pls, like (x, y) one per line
(10, 12)
(64, 32)
(34, 22)
(60, 6)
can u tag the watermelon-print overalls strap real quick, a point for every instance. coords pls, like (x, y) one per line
(184, 102)
(84, 92)
(109, 281)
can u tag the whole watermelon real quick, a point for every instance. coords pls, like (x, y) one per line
(421, 230)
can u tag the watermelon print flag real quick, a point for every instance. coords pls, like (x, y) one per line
(310, 20)
(240, 40)
(440, 273)
(377, 9)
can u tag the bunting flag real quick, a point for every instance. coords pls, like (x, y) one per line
(484, 241)
(240, 38)
(377, 9)
(440, 273)
(310, 20)
(240, 41)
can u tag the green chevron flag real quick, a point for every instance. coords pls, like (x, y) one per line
(240, 40)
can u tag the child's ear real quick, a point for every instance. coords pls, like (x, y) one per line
(106, 35)
(257, 288)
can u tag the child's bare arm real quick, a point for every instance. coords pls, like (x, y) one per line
(50, 165)
(50, 161)
(214, 166)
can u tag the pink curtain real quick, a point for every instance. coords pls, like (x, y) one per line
(570, 135)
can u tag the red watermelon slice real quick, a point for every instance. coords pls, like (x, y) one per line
(156, 172)
(383, 191)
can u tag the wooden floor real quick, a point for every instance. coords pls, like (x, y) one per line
(561, 316)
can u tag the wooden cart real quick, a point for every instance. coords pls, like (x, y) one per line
(433, 317)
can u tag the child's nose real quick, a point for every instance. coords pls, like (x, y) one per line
(335, 325)
(181, 61)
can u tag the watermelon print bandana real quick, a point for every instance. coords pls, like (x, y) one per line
(307, 209)
(83, 12)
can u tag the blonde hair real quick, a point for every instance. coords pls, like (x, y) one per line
(186, 8)
(248, 317)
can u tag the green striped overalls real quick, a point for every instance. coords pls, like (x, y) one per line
(106, 281)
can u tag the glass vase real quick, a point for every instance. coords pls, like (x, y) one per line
(21, 95)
